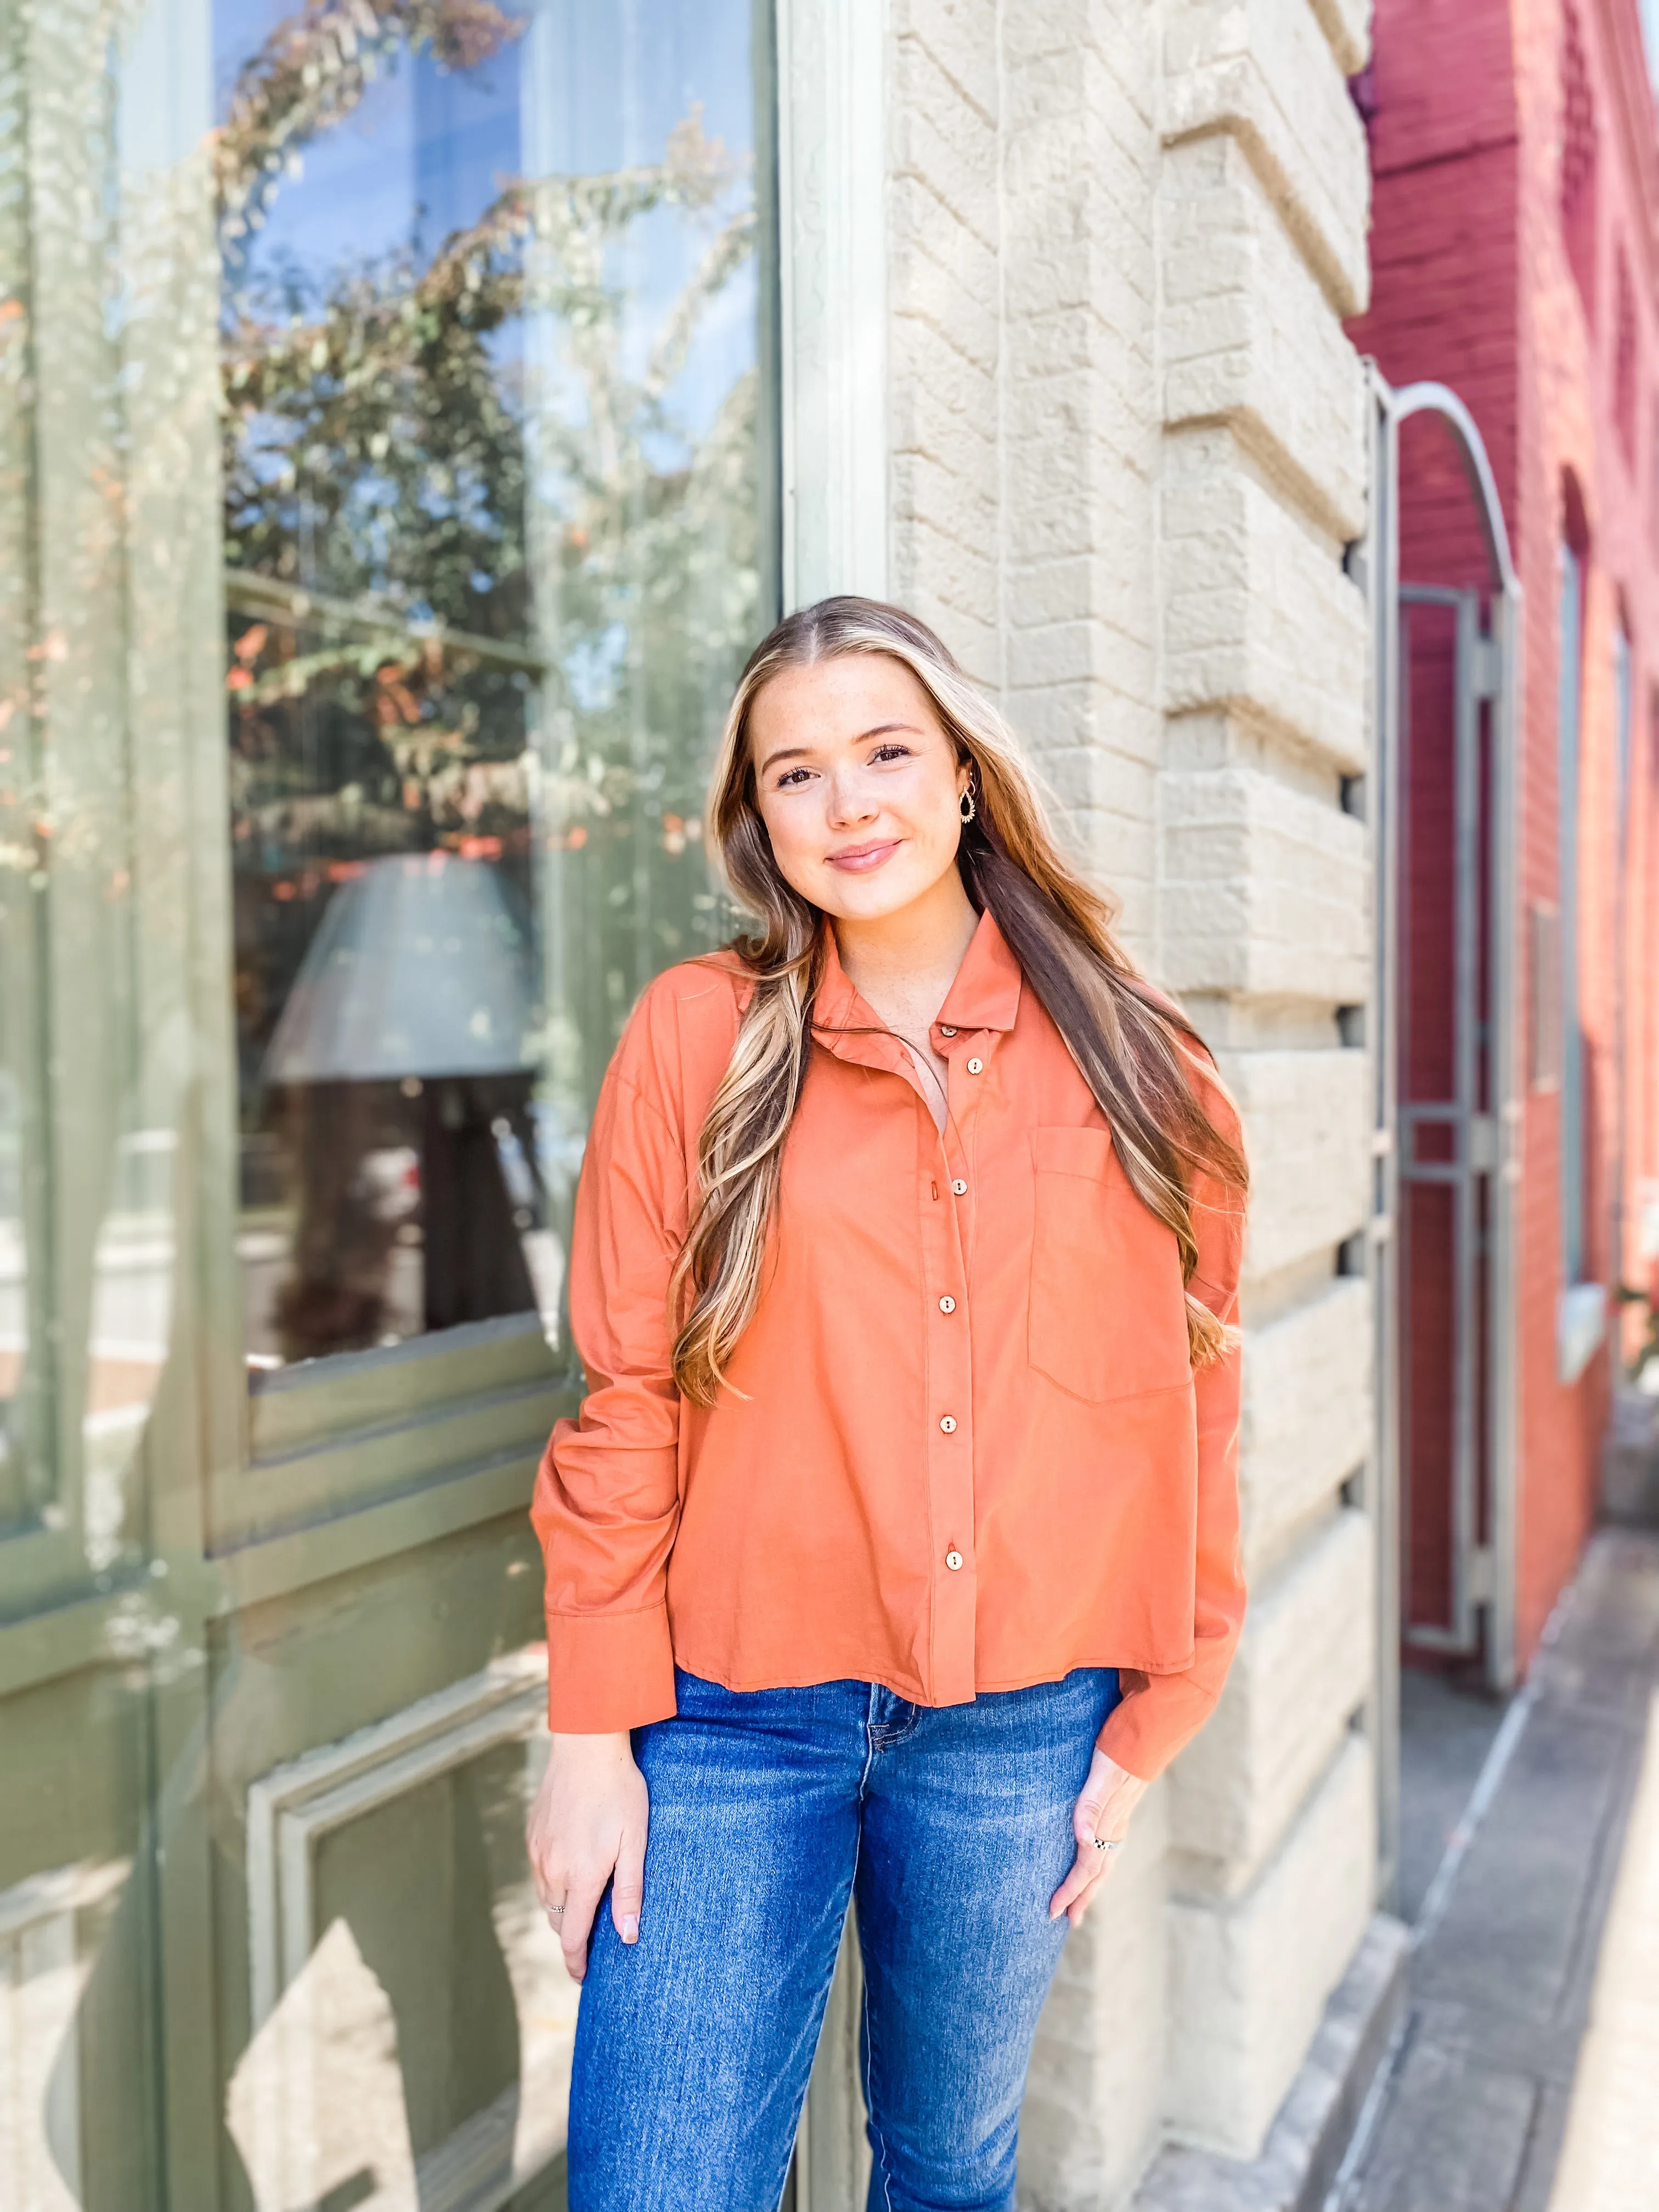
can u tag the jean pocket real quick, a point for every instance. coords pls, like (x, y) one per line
(1107, 1310)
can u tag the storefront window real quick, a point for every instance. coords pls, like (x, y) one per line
(387, 505)
(492, 468)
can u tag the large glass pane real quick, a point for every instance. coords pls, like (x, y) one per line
(384, 499)
(493, 464)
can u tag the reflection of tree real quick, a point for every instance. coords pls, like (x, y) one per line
(405, 444)
(312, 70)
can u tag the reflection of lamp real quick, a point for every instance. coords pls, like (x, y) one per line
(418, 968)
(419, 976)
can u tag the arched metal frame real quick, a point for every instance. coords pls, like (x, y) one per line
(1484, 1574)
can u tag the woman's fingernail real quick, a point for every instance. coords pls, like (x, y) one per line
(630, 1927)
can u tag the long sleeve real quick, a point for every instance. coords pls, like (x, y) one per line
(1160, 1713)
(606, 1504)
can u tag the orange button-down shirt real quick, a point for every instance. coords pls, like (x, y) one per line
(961, 1447)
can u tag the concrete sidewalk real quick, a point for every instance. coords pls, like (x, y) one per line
(1526, 2074)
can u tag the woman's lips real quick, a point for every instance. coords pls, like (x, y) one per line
(860, 859)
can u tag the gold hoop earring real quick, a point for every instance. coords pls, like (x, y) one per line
(967, 806)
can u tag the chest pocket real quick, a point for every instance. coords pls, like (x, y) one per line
(1108, 1308)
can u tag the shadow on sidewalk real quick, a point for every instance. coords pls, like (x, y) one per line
(1471, 2112)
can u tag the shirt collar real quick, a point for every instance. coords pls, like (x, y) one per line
(984, 996)
(986, 993)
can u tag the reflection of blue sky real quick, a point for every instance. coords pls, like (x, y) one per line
(586, 89)
(422, 153)
(592, 665)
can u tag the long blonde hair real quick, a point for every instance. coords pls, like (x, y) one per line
(1135, 1051)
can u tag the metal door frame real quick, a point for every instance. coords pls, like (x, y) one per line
(1486, 1574)
(1474, 1147)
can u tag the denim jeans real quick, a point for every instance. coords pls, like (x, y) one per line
(949, 1827)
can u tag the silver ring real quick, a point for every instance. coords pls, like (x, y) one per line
(1104, 1844)
(554, 1912)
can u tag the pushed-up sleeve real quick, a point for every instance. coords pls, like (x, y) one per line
(606, 1503)
(1160, 1713)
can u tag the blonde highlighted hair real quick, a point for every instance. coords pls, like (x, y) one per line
(1136, 1052)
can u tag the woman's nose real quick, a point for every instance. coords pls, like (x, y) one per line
(850, 800)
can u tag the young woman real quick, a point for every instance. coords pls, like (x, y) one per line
(895, 1549)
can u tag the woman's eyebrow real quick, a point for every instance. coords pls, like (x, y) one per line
(801, 752)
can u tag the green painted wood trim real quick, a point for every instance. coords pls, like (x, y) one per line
(324, 1399)
(365, 1467)
(115, 1627)
(183, 1960)
(464, 1499)
(41, 1568)
(44, 1646)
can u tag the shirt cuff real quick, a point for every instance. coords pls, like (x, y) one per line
(608, 1671)
(1157, 1714)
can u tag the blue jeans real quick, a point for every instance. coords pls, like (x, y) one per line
(951, 1828)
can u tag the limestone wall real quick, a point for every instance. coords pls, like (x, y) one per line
(1126, 454)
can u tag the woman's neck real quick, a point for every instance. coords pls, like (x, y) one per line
(904, 963)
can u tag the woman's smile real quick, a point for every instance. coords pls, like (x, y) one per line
(861, 859)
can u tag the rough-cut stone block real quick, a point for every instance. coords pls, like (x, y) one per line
(1249, 1978)
(1248, 334)
(1258, 615)
(1263, 889)
(1264, 71)
(1302, 1670)
(939, 271)
(933, 131)
(1307, 1132)
(1306, 1421)
(1094, 2094)
(960, 39)
(943, 394)
(1316, 2122)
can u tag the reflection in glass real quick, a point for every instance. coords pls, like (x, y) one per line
(492, 484)
(382, 476)
(409, 2073)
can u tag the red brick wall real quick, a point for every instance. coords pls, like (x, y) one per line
(1473, 284)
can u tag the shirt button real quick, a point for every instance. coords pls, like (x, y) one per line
(953, 1560)
(946, 1029)
(947, 1305)
(974, 1065)
(949, 1424)
(960, 1187)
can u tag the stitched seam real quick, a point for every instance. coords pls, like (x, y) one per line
(877, 2139)
(869, 1760)
(821, 1999)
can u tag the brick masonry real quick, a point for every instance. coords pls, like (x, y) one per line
(1473, 284)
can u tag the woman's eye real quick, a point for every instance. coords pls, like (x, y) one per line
(790, 775)
(890, 752)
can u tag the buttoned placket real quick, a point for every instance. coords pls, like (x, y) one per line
(948, 1201)
(946, 1205)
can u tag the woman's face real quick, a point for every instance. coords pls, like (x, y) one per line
(857, 783)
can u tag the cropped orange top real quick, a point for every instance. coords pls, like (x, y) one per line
(961, 1448)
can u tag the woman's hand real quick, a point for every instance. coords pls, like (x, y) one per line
(588, 1827)
(1110, 1795)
